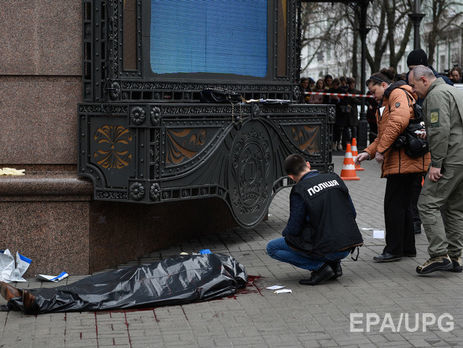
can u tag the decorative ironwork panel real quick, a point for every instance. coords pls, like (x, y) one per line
(154, 153)
(112, 150)
(184, 143)
(250, 177)
(145, 138)
(307, 138)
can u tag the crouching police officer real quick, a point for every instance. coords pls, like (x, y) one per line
(321, 229)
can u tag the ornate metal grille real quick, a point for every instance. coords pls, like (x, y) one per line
(146, 139)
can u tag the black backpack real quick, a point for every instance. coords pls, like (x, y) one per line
(413, 145)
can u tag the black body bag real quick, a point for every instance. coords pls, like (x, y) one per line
(171, 281)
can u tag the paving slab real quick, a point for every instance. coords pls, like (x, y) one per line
(318, 316)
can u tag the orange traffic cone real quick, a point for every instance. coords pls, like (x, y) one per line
(348, 167)
(355, 153)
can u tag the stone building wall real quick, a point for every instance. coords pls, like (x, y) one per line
(49, 215)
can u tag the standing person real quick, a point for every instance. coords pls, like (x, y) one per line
(352, 122)
(328, 81)
(304, 87)
(419, 57)
(372, 107)
(443, 114)
(321, 229)
(311, 84)
(343, 82)
(341, 115)
(415, 58)
(319, 87)
(401, 171)
(455, 75)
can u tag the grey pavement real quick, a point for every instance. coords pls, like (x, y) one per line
(389, 297)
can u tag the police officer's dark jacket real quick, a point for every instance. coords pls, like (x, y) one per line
(331, 226)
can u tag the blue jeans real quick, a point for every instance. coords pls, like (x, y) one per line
(279, 250)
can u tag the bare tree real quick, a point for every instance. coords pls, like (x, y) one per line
(390, 31)
(337, 25)
(323, 25)
(443, 16)
(398, 25)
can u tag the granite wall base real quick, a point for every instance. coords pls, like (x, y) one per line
(53, 220)
(119, 232)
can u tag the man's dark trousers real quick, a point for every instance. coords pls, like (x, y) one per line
(400, 235)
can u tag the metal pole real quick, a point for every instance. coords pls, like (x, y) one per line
(363, 30)
(416, 18)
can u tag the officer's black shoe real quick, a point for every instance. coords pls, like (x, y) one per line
(457, 264)
(386, 257)
(438, 263)
(409, 254)
(323, 274)
(336, 267)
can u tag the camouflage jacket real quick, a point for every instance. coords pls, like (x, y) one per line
(443, 114)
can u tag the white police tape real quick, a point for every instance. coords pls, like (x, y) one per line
(405, 322)
(341, 94)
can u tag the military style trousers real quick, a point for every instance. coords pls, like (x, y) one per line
(445, 236)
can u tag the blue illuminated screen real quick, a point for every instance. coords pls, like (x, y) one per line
(209, 36)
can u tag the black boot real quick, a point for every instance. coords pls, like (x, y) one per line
(336, 267)
(324, 273)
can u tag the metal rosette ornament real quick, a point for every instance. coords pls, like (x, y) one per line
(137, 115)
(137, 191)
(250, 179)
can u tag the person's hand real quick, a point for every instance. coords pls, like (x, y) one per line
(362, 157)
(434, 174)
(379, 157)
(421, 133)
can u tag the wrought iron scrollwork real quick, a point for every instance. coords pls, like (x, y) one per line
(255, 110)
(114, 37)
(155, 192)
(114, 90)
(331, 114)
(109, 195)
(296, 93)
(155, 115)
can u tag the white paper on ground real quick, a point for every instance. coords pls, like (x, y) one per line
(283, 291)
(275, 287)
(367, 228)
(52, 278)
(379, 234)
(12, 171)
(8, 271)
